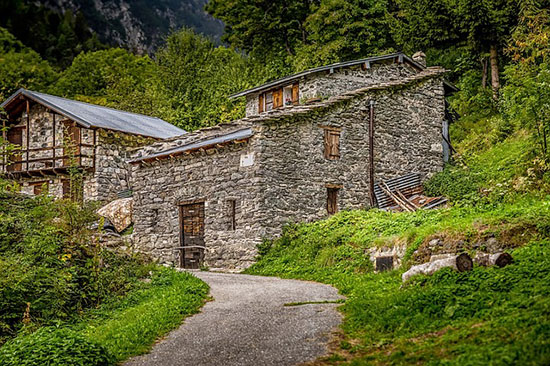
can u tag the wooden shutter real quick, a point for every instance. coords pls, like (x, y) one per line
(332, 143)
(15, 137)
(295, 94)
(277, 98)
(71, 135)
(332, 201)
(261, 103)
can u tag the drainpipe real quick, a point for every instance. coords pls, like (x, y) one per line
(371, 152)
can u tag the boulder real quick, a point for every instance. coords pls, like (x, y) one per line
(118, 212)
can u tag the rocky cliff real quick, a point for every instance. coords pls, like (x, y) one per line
(140, 25)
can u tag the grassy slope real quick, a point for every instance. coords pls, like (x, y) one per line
(53, 267)
(130, 326)
(487, 316)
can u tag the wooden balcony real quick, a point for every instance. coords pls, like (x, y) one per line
(47, 161)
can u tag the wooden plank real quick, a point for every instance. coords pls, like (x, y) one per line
(261, 103)
(28, 132)
(295, 94)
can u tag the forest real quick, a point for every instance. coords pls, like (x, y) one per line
(491, 48)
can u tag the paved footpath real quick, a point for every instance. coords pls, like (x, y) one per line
(247, 324)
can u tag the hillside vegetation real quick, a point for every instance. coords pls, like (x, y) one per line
(66, 299)
(497, 316)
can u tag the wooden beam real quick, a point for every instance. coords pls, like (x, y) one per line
(94, 150)
(28, 131)
(53, 142)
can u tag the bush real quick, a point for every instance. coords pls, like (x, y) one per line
(54, 346)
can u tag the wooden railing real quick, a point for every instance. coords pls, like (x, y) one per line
(26, 160)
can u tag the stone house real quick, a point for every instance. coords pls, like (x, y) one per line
(311, 144)
(56, 136)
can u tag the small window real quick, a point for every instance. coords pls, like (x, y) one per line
(39, 187)
(332, 200)
(285, 96)
(268, 101)
(232, 213)
(332, 143)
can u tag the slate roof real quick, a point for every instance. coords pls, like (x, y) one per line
(290, 78)
(284, 112)
(94, 116)
(240, 134)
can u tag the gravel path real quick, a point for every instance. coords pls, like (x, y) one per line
(248, 324)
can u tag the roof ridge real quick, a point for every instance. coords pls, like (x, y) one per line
(93, 105)
(301, 109)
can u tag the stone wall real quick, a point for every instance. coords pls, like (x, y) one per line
(112, 173)
(289, 178)
(113, 149)
(325, 84)
(294, 172)
(215, 176)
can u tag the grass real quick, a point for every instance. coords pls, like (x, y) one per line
(489, 316)
(131, 325)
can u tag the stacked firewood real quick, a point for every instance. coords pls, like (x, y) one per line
(461, 263)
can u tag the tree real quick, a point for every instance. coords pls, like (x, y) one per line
(484, 26)
(196, 78)
(268, 31)
(21, 67)
(526, 97)
(339, 30)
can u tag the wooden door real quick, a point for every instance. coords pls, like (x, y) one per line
(192, 235)
(71, 143)
(15, 137)
(332, 201)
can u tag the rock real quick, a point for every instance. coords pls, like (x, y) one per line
(118, 212)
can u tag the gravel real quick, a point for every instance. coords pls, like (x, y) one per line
(248, 324)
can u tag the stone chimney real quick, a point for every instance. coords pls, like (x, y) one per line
(420, 57)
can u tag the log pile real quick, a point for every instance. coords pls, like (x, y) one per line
(461, 263)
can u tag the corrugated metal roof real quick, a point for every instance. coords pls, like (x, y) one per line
(290, 78)
(232, 136)
(90, 115)
(407, 181)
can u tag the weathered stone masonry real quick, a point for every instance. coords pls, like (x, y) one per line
(288, 180)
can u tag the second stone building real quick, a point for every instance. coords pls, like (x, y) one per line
(210, 197)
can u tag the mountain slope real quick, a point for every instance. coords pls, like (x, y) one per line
(138, 25)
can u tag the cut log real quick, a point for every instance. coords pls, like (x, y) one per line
(460, 263)
(497, 259)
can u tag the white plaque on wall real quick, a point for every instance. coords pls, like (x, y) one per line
(247, 160)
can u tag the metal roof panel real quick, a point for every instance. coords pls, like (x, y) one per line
(90, 115)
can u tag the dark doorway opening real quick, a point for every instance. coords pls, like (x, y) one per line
(191, 235)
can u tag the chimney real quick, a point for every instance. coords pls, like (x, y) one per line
(420, 57)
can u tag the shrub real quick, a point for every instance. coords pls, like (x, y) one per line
(54, 346)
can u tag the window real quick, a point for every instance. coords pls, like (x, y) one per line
(277, 98)
(332, 143)
(332, 200)
(39, 187)
(231, 214)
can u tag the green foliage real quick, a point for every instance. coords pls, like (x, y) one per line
(57, 37)
(21, 67)
(51, 346)
(195, 78)
(269, 31)
(339, 30)
(53, 268)
(130, 325)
